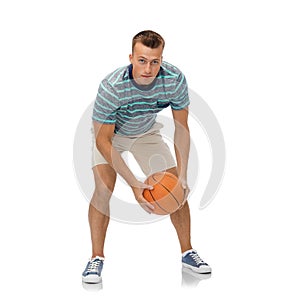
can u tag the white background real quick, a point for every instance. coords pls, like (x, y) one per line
(242, 57)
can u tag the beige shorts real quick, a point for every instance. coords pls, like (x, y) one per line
(149, 150)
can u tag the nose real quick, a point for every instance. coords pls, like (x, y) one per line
(148, 68)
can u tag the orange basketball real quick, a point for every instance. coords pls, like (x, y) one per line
(167, 194)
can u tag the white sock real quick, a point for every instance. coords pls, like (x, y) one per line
(186, 252)
(100, 257)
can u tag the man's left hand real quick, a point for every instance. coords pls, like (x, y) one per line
(186, 190)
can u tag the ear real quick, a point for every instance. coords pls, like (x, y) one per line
(130, 57)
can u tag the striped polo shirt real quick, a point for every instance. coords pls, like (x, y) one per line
(132, 107)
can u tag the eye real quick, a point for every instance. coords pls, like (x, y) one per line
(141, 61)
(155, 62)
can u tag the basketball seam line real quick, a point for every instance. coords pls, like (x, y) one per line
(158, 203)
(167, 190)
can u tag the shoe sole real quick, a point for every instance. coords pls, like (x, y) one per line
(91, 279)
(202, 270)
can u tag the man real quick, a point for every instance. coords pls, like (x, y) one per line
(124, 119)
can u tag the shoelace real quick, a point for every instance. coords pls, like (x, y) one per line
(196, 258)
(93, 266)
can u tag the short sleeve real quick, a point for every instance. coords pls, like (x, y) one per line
(181, 99)
(106, 104)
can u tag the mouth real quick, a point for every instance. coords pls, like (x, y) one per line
(146, 76)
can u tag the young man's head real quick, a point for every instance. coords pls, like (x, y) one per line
(146, 57)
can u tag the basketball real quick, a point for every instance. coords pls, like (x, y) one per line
(167, 194)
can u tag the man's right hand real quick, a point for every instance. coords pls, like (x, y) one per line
(138, 189)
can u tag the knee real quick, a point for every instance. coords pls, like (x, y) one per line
(104, 186)
(102, 193)
(105, 178)
(100, 200)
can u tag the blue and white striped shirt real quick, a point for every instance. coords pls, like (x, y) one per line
(132, 107)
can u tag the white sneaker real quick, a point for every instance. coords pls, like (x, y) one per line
(93, 269)
(193, 261)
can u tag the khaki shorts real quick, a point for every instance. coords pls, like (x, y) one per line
(149, 149)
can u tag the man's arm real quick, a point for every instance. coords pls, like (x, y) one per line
(103, 135)
(182, 144)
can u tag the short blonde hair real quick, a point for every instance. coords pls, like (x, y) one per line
(148, 38)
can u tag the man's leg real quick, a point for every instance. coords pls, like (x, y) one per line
(152, 154)
(182, 222)
(105, 178)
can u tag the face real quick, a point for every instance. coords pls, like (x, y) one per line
(146, 63)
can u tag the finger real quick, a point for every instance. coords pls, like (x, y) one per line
(147, 208)
(186, 192)
(149, 211)
(146, 203)
(147, 187)
(182, 204)
(149, 205)
(185, 196)
(141, 185)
